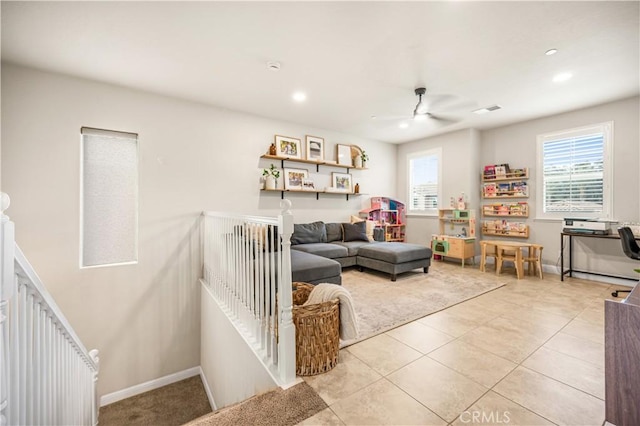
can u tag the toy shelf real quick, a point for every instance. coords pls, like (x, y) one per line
(516, 174)
(514, 234)
(502, 182)
(505, 229)
(506, 210)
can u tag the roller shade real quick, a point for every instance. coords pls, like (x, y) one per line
(109, 173)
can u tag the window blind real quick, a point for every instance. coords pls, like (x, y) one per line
(574, 172)
(109, 204)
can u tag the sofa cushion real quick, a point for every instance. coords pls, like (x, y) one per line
(334, 232)
(354, 231)
(306, 233)
(371, 225)
(328, 250)
(307, 267)
(353, 246)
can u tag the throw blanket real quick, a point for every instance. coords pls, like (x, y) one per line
(348, 319)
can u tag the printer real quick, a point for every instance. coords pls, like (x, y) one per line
(587, 226)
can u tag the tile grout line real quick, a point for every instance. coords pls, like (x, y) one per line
(520, 364)
(526, 358)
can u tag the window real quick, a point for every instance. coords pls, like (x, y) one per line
(109, 198)
(575, 178)
(424, 182)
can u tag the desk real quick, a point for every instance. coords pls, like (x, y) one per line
(621, 354)
(498, 244)
(570, 271)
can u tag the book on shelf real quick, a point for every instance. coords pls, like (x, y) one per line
(519, 188)
(503, 189)
(490, 172)
(489, 189)
(503, 227)
(501, 172)
(518, 172)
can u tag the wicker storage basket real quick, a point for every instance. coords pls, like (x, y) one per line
(317, 332)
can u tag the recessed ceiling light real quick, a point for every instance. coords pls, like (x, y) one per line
(403, 125)
(373, 117)
(273, 66)
(551, 52)
(559, 78)
(299, 97)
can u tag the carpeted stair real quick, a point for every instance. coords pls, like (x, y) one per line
(275, 408)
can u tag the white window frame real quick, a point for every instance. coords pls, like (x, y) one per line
(128, 135)
(435, 152)
(607, 189)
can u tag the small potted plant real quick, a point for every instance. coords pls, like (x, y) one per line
(364, 157)
(270, 174)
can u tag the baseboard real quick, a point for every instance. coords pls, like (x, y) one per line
(207, 389)
(110, 398)
(553, 269)
(589, 277)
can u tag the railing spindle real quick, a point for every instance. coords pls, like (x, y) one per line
(44, 366)
(248, 269)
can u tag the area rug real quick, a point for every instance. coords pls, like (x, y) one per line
(382, 304)
(281, 407)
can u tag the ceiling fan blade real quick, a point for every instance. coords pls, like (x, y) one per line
(461, 106)
(443, 119)
(435, 102)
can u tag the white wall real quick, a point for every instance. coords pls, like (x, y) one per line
(145, 318)
(459, 174)
(232, 376)
(466, 152)
(516, 145)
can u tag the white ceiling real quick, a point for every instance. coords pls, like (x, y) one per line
(353, 59)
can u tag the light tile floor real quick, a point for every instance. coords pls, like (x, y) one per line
(529, 353)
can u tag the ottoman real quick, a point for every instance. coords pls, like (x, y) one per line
(394, 258)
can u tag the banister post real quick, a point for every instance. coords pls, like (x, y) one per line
(286, 329)
(7, 290)
(96, 400)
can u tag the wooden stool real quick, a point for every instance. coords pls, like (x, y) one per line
(512, 254)
(534, 258)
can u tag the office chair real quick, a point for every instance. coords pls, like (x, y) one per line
(630, 248)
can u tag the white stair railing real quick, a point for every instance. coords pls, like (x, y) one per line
(247, 267)
(47, 377)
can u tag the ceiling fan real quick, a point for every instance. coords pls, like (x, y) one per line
(437, 108)
(422, 109)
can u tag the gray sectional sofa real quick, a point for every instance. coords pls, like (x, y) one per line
(320, 250)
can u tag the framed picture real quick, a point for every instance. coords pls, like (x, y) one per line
(315, 148)
(344, 155)
(288, 147)
(293, 178)
(341, 182)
